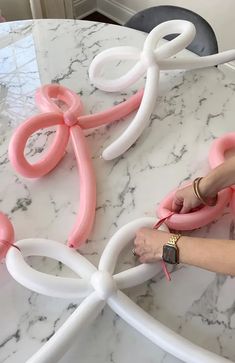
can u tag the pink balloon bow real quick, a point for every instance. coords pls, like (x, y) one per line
(69, 123)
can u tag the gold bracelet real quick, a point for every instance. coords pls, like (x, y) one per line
(197, 191)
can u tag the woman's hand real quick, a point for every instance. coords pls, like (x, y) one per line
(211, 254)
(185, 199)
(149, 244)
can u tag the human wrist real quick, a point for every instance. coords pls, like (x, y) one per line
(208, 186)
(164, 238)
(221, 177)
(183, 245)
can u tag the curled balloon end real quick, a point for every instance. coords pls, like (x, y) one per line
(75, 243)
(71, 244)
(108, 155)
(103, 157)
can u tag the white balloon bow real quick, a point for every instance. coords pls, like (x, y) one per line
(150, 60)
(98, 287)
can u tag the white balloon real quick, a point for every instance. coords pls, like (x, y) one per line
(151, 60)
(98, 287)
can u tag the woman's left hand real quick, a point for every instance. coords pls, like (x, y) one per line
(149, 244)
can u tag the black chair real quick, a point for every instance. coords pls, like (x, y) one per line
(204, 43)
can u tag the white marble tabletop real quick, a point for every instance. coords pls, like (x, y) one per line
(193, 108)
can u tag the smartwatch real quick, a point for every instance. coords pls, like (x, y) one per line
(170, 252)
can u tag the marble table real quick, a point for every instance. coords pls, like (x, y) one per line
(193, 108)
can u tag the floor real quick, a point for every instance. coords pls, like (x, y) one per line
(99, 17)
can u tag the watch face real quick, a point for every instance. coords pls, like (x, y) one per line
(170, 254)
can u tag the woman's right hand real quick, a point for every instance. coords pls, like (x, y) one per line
(185, 199)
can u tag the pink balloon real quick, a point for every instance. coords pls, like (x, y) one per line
(196, 219)
(232, 202)
(69, 123)
(6, 235)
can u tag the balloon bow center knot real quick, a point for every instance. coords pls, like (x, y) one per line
(104, 284)
(148, 58)
(70, 119)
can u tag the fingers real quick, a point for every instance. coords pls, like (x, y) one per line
(143, 231)
(212, 201)
(178, 201)
(176, 205)
(185, 208)
(139, 242)
(147, 258)
(142, 249)
(140, 245)
(185, 200)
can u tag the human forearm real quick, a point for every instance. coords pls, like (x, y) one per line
(210, 254)
(219, 178)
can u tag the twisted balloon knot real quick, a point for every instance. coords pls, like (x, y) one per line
(70, 118)
(148, 58)
(104, 284)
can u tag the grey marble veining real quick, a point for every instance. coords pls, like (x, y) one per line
(193, 108)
